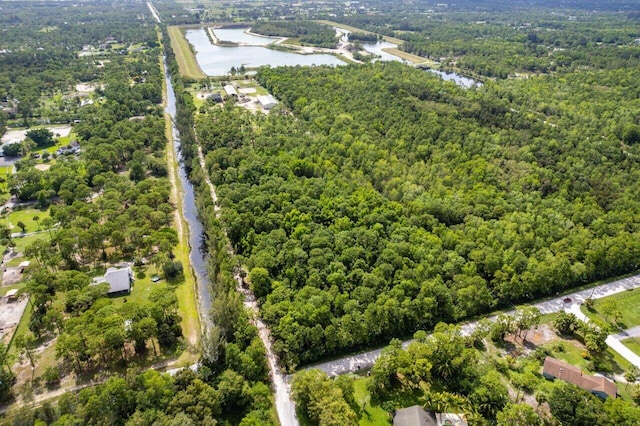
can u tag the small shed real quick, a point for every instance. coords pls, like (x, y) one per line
(216, 97)
(23, 265)
(267, 102)
(12, 294)
(230, 91)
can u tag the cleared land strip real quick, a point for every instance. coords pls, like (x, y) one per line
(184, 55)
(365, 360)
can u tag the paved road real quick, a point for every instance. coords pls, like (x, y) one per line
(627, 334)
(366, 360)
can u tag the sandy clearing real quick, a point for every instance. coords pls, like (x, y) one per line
(12, 136)
(43, 167)
(84, 87)
(10, 315)
(246, 90)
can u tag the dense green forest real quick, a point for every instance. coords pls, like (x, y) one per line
(306, 32)
(394, 200)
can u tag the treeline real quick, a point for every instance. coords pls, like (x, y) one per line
(394, 201)
(153, 398)
(44, 60)
(364, 37)
(306, 32)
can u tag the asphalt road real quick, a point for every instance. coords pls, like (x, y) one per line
(364, 360)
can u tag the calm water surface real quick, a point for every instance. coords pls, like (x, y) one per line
(376, 49)
(218, 60)
(197, 249)
(238, 35)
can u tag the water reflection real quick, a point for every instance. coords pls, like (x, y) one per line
(217, 60)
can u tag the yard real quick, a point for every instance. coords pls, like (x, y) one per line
(625, 303)
(31, 218)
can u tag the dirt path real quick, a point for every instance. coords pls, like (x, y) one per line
(284, 405)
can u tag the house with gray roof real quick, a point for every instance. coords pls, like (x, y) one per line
(119, 280)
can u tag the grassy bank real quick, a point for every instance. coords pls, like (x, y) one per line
(415, 59)
(358, 30)
(186, 291)
(184, 55)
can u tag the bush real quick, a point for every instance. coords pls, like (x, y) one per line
(173, 269)
(51, 376)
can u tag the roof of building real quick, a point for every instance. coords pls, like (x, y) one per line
(572, 374)
(24, 264)
(266, 100)
(451, 419)
(118, 279)
(12, 292)
(230, 90)
(413, 416)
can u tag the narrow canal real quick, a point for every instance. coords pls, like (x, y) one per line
(197, 248)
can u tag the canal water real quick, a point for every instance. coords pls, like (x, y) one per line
(197, 249)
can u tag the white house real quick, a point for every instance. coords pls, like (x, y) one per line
(119, 280)
(267, 102)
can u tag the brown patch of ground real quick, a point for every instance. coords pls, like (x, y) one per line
(542, 335)
(43, 167)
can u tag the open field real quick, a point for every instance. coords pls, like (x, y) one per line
(633, 343)
(372, 415)
(19, 135)
(186, 59)
(25, 216)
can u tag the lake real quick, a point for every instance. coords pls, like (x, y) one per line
(376, 49)
(218, 60)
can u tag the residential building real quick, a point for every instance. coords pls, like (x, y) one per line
(597, 385)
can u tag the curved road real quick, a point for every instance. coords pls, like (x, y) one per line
(364, 360)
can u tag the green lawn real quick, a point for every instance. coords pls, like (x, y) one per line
(633, 343)
(372, 415)
(22, 242)
(184, 56)
(626, 302)
(25, 216)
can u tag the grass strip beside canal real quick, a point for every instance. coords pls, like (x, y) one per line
(184, 55)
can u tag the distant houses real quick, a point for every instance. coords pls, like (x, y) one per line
(597, 385)
(119, 279)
